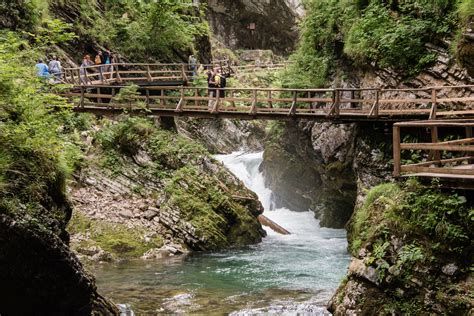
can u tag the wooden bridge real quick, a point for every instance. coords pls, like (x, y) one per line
(342, 104)
(153, 73)
(162, 91)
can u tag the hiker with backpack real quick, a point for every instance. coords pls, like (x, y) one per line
(55, 69)
(220, 80)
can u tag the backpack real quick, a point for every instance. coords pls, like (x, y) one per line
(97, 60)
(217, 80)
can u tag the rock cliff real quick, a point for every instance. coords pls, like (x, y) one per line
(153, 190)
(252, 24)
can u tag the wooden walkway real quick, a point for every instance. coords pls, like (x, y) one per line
(451, 159)
(282, 104)
(156, 73)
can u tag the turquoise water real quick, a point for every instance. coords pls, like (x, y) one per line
(293, 274)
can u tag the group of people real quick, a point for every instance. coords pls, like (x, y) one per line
(51, 71)
(103, 59)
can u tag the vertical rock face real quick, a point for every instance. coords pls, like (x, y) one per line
(326, 167)
(40, 275)
(256, 24)
(309, 166)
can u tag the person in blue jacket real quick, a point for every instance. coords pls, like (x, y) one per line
(42, 69)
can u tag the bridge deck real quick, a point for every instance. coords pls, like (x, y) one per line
(281, 104)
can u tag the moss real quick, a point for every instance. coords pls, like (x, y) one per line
(409, 232)
(121, 241)
(218, 218)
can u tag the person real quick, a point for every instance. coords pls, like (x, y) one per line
(211, 85)
(55, 69)
(192, 64)
(42, 69)
(106, 56)
(221, 82)
(98, 60)
(86, 62)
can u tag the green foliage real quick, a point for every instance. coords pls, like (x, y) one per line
(380, 38)
(20, 14)
(384, 34)
(466, 10)
(127, 136)
(139, 29)
(35, 156)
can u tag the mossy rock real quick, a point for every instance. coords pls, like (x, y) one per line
(119, 240)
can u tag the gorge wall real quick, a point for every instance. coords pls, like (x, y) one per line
(251, 24)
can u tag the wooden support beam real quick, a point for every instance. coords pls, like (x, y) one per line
(396, 151)
(270, 103)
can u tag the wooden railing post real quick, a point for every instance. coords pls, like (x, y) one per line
(183, 72)
(469, 135)
(148, 73)
(374, 111)
(196, 97)
(215, 107)
(101, 74)
(117, 74)
(82, 97)
(270, 103)
(253, 108)
(338, 103)
(232, 102)
(293, 103)
(434, 104)
(435, 154)
(99, 98)
(396, 151)
(179, 107)
(147, 93)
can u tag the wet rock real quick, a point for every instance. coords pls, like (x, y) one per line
(358, 267)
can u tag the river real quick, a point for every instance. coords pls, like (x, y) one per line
(292, 274)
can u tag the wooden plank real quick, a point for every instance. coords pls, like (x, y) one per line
(430, 146)
(440, 162)
(437, 170)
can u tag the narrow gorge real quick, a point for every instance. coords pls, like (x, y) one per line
(108, 208)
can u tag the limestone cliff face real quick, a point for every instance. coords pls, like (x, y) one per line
(326, 167)
(275, 23)
(166, 193)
